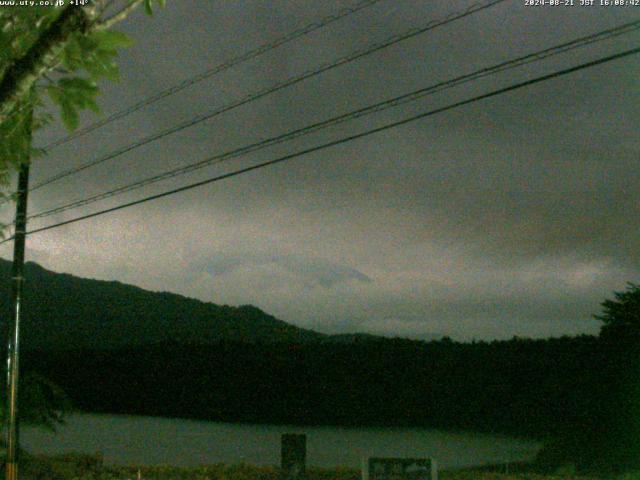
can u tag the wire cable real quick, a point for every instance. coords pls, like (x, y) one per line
(264, 48)
(377, 107)
(343, 140)
(275, 88)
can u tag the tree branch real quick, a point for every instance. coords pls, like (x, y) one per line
(22, 74)
(118, 17)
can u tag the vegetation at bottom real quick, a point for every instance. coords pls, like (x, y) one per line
(87, 467)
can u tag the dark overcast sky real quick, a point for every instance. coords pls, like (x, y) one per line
(516, 215)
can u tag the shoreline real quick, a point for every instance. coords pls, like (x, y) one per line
(92, 467)
(327, 426)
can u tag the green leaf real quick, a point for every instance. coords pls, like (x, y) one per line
(87, 43)
(108, 70)
(54, 93)
(69, 115)
(112, 40)
(73, 94)
(78, 84)
(14, 142)
(147, 7)
(72, 54)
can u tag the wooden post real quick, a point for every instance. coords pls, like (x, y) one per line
(293, 456)
(13, 330)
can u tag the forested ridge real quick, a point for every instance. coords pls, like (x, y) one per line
(524, 387)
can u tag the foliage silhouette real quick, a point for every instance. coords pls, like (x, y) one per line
(621, 316)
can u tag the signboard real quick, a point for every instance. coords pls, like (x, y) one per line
(293, 456)
(401, 469)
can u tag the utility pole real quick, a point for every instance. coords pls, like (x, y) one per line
(13, 333)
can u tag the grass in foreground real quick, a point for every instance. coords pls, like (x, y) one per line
(87, 467)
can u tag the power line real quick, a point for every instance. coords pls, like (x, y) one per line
(377, 107)
(264, 48)
(343, 140)
(275, 88)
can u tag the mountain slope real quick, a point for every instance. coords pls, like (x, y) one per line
(64, 311)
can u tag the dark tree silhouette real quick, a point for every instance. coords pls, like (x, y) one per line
(621, 316)
(617, 417)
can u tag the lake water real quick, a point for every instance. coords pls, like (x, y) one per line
(150, 440)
